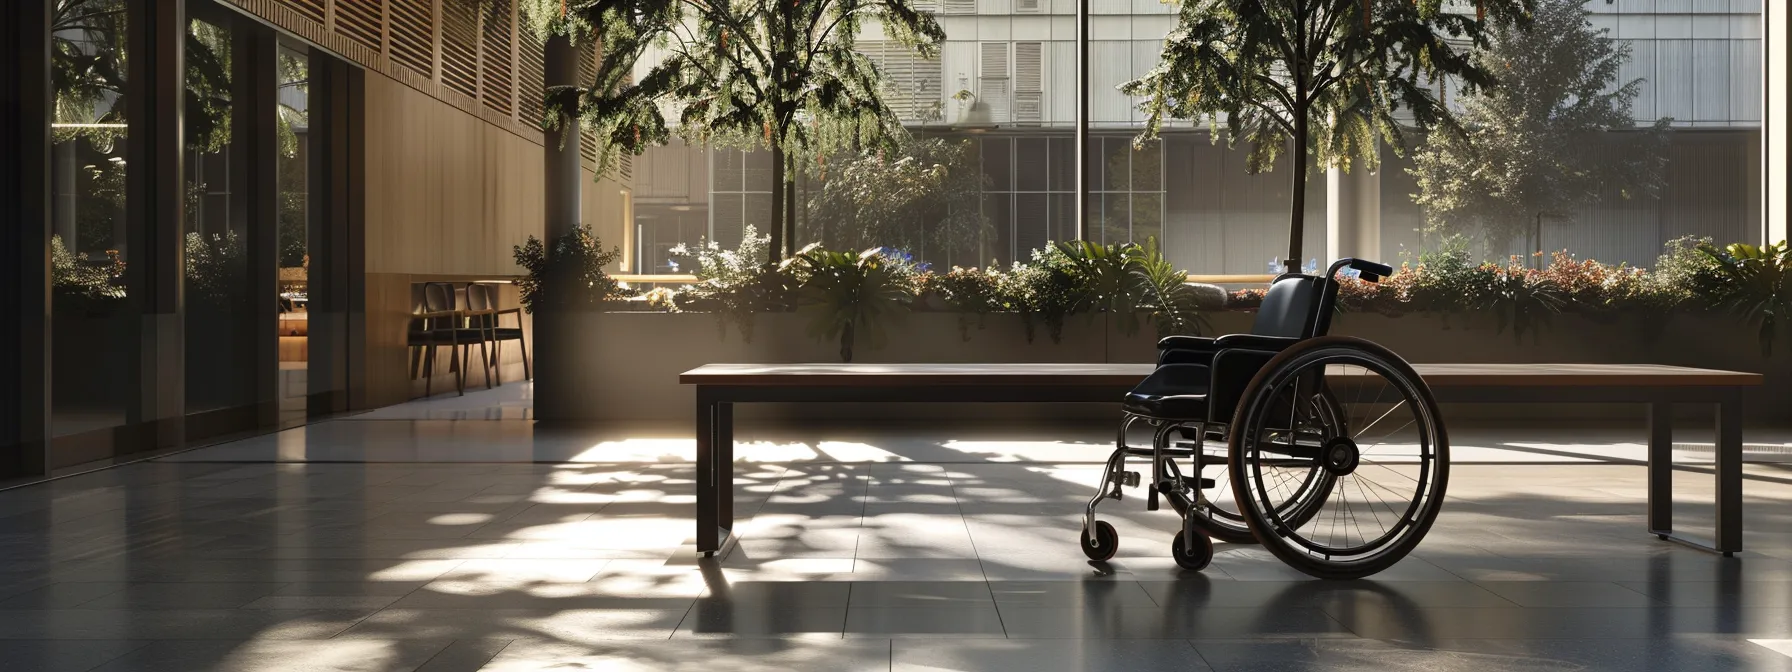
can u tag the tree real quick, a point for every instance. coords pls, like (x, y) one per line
(1537, 146)
(784, 75)
(1323, 76)
(927, 196)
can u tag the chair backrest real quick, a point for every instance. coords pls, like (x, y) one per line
(479, 297)
(438, 296)
(1297, 306)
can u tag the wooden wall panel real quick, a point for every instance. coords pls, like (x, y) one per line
(447, 193)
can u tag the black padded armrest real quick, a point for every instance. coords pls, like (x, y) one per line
(1185, 343)
(1255, 342)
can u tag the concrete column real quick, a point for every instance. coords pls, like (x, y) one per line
(556, 339)
(562, 175)
(1352, 214)
(1774, 122)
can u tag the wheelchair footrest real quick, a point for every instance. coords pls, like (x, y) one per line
(1127, 478)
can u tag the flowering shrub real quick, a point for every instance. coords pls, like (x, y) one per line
(1063, 280)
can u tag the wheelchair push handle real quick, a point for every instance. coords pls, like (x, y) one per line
(1367, 270)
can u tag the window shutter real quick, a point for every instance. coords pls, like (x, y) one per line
(959, 6)
(910, 83)
(1028, 81)
(413, 36)
(993, 84)
(1028, 6)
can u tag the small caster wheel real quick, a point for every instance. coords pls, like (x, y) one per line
(1195, 560)
(1102, 547)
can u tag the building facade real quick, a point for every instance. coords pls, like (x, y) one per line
(1006, 80)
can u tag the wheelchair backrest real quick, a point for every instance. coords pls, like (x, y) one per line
(1297, 306)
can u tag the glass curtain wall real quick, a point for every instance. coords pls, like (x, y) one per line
(93, 336)
(293, 255)
(219, 330)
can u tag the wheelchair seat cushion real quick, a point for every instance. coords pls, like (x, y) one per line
(1172, 392)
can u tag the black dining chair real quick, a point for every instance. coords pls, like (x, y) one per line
(482, 300)
(440, 323)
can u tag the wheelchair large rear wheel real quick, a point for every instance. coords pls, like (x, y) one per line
(1306, 484)
(1390, 468)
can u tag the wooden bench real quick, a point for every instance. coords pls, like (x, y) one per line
(720, 386)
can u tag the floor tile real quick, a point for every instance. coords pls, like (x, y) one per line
(923, 622)
(763, 620)
(1084, 655)
(61, 655)
(880, 594)
(263, 655)
(695, 655)
(1157, 623)
(576, 625)
(1568, 594)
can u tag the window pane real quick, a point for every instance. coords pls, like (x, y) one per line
(89, 254)
(1029, 164)
(998, 161)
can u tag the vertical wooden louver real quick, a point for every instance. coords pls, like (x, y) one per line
(497, 57)
(361, 21)
(531, 84)
(412, 36)
(587, 79)
(460, 46)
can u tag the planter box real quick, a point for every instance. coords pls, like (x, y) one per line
(624, 366)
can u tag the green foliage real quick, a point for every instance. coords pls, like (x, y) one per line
(1325, 76)
(779, 74)
(752, 72)
(737, 284)
(1044, 292)
(1537, 145)
(1684, 272)
(78, 282)
(216, 270)
(927, 194)
(970, 292)
(851, 297)
(1756, 284)
(568, 274)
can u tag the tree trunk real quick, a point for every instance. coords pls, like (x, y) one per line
(776, 250)
(790, 214)
(1298, 211)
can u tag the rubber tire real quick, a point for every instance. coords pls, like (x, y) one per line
(1227, 532)
(1261, 526)
(1196, 561)
(1107, 541)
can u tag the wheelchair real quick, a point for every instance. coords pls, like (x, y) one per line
(1335, 457)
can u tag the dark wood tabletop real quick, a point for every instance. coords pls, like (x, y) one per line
(1110, 375)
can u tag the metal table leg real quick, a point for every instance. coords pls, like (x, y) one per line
(712, 500)
(1728, 470)
(1661, 469)
(1729, 474)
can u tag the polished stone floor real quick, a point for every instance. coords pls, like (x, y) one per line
(454, 535)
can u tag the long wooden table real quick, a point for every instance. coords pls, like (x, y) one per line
(720, 386)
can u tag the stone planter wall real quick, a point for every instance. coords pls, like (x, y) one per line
(624, 366)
